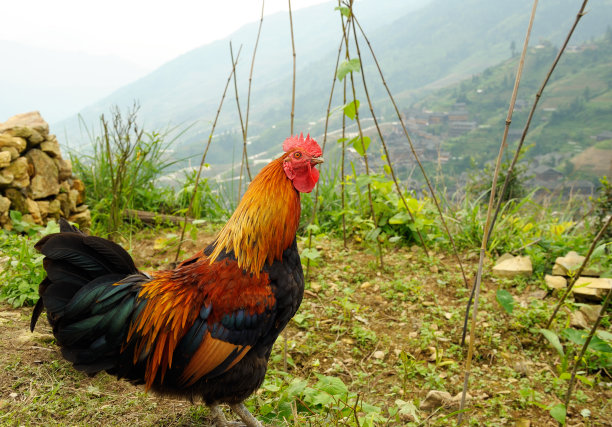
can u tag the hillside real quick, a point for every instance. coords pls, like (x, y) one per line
(420, 45)
(573, 114)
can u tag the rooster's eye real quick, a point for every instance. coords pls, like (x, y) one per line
(297, 155)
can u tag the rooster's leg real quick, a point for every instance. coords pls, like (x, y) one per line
(217, 414)
(245, 415)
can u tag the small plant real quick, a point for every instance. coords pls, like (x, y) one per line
(23, 269)
(123, 169)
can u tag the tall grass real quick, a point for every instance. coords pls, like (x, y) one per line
(123, 170)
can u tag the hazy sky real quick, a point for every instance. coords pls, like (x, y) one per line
(148, 32)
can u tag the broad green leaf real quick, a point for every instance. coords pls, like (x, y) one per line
(558, 413)
(598, 344)
(574, 335)
(579, 337)
(311, 254)
(553, 339)
(604, 335)
(399, 218)
(296, 387)
(346, 67)
(361, 146)
(332, 385)
(350, 109)
(506, 300)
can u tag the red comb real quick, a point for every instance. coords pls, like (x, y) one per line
(308, 144)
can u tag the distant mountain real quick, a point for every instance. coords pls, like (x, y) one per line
(57, 83)
(421, 45)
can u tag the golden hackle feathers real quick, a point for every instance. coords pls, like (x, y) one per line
(261, 228)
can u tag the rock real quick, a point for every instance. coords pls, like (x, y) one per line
(31, 120)
(436, 399)
(73, 196)
(578, 320)
(5, 204)
(379, 355)
(11, 150)
(6, 178)
(81, 208)
(555, 282)
(34, 210)
(51, 148)
(365, 285)
(78, 185)
(43, 207)
(315, 287)
(83, 219)
(54, 209)
(34, 137)
(591, 289)
(504, 257)
(571, 263)
(45, 182)
(20, 171)
(64, 202)
(17, 199)
(5, 159)
(65, 187)
(591, 312)
(64, 167)
(11, 141)
(513, 267)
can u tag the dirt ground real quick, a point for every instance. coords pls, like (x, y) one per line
(390, 334)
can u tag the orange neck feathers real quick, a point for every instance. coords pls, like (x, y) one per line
(265, 221)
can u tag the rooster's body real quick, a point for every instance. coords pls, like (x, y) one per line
(204, 329)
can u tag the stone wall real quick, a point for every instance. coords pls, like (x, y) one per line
(34, 178)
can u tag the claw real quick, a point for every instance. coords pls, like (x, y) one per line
(218, 417)
(245, 415)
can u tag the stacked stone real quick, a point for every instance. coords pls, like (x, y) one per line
(34, 178)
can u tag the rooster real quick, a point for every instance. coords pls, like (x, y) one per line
(203, 330)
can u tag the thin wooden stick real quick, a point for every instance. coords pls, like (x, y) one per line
(415, 155)
(244, 152)
(342, 177)
(365, 154)
(294, 72)
(580, 14)
(291, 132)
(382, 140)
(485, 238)
(248, 109)
(316, 195)
(538, 95)
(197, 180)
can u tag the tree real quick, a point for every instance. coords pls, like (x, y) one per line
(513, 48)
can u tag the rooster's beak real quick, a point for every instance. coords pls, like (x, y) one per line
(316, 160)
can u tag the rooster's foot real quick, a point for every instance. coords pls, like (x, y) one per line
(246, 417)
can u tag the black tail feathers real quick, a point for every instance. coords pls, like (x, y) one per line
(72, 260)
